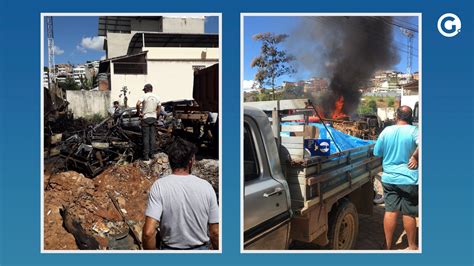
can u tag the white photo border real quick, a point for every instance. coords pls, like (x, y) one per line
(87, 14)
(330, 14)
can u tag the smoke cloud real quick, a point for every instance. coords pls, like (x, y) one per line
(347, 50)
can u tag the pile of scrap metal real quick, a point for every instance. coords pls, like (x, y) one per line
(193, 124)
(366, 127)
(91, 151)
(115, 140)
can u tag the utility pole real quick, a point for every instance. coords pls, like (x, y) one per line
(409, 35)
(51, 64)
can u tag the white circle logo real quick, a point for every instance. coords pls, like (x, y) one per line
(324, 146)
(449, 25)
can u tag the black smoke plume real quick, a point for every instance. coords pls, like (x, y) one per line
(347, 50)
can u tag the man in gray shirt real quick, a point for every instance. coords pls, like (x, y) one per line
(183, 206)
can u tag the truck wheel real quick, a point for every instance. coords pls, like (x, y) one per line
(343, 226)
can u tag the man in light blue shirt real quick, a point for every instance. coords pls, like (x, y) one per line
(398, 147)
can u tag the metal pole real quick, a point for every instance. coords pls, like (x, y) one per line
(276, 124)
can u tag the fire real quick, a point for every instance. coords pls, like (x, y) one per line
(338, 113)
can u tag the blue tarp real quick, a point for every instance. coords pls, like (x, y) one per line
(344, 141)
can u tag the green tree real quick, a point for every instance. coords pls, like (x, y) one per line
(272, 62)
(69, 84)
(88, 83)
(372, 105)
(391, 102)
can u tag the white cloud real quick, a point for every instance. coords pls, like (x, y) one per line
(248, 85)
(81, 49)
(57, 50)
(102, 57)
(91, 43)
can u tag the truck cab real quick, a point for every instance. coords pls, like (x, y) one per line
(267, 205)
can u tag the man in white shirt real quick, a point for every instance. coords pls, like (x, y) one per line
(148, 108)
(182, 205)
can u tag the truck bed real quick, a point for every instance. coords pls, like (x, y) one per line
(315, 179)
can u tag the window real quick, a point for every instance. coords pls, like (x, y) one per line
(251, 166)
(136, 68)
(133, 65)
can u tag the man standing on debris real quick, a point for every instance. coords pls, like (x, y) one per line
(114, 111)
(183, 206)
(148, 108)
(398, 146)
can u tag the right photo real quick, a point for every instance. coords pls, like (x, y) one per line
(331, 148)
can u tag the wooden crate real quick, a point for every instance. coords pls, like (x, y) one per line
(295, 142)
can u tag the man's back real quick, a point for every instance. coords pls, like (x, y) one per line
(396, 144)
(184, 205)
(150, 103)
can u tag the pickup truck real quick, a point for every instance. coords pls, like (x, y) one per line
(307, 200)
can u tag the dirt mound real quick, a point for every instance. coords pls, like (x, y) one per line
(55, 236)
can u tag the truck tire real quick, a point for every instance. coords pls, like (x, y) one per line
(343, 226)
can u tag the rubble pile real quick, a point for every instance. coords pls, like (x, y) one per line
(89, 203)
(209, 170)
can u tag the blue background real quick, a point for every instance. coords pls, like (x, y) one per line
(447, 111)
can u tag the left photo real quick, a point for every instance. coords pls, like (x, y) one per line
(131, 135)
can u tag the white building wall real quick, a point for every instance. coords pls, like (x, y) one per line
(183, 25)
(176, 53)
(171, 80)
(409, 100)
(170, 72)
(386, 113)
(88, 103)
(117, 43)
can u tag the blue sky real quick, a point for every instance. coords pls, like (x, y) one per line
(286, 24)
(76, 39)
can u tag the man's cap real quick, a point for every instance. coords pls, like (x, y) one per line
(148, 87)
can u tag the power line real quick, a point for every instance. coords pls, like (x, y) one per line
(375, 34)
(390, 22)
(404, 21)
(374, 31)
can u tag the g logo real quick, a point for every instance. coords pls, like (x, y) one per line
(449, 25)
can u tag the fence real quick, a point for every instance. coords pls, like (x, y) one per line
(88, 103)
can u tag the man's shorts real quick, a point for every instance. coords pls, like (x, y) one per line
(402, 198)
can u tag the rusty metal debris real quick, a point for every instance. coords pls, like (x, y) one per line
(91, 148)
(130, 227)
(365, 128)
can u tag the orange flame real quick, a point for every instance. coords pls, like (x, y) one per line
(338, 113)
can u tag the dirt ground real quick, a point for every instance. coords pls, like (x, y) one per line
(371, 235)
(79, 212)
